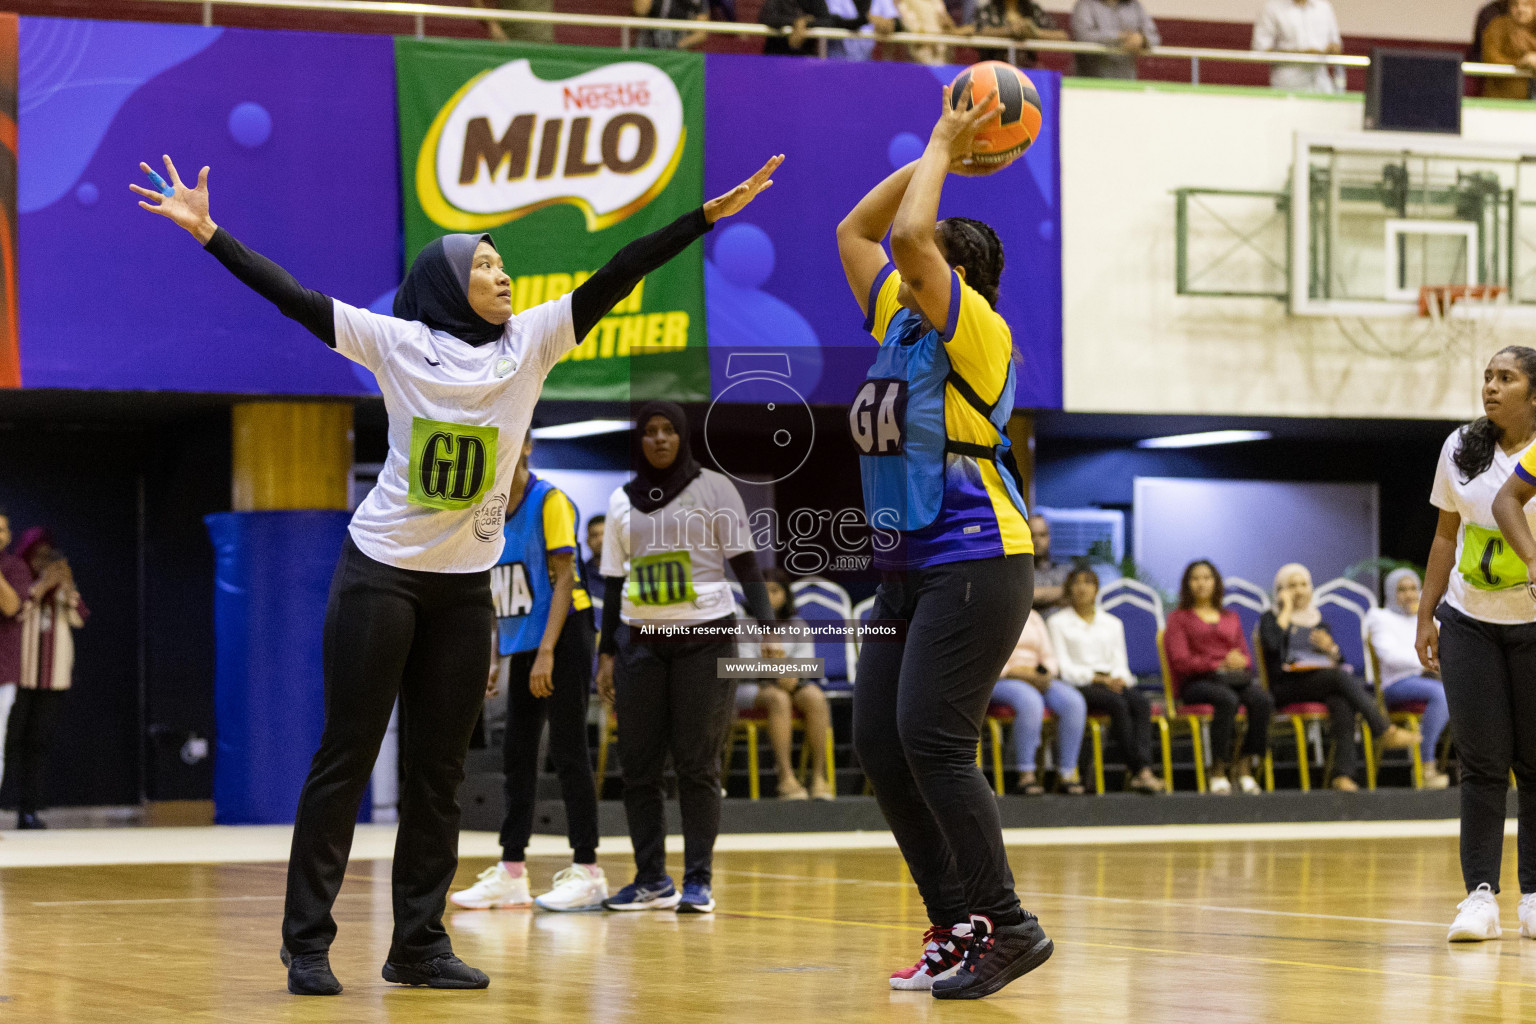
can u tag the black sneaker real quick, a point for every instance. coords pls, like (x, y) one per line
(994, 957)
(309, 974)
(442, 971)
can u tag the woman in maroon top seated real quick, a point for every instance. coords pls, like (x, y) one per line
(1211, 664)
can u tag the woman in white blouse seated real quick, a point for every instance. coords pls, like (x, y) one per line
(1090, 648)
(1392, 630)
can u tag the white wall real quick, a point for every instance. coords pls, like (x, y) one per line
(1439, 20)
(1132, 345)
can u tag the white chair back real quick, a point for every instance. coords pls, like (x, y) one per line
(1347, 590)
(1252, 592)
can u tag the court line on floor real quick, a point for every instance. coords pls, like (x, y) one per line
(1109, 899)
(1268, 961)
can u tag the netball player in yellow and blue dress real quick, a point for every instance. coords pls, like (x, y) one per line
(941, 489)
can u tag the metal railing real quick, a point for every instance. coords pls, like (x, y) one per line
(418, 14)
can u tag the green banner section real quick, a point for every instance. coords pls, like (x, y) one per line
(563, 156)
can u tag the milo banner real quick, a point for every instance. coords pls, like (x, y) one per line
(564, 155)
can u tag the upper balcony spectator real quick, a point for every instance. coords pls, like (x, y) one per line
(1017, 19)
(881, 16)
(1484, 17)
(522, 31)
(1300, 26)
(1122, 23)
(931, 17)
(1511, 39)
(669, 38)
(798, 16)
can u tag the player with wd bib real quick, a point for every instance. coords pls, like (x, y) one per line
(544, 666)
(929, 422)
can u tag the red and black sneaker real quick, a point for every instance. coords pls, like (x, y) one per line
(943, 949)
(994, 956)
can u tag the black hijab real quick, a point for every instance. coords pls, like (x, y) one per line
(436, 290)
(652, 488)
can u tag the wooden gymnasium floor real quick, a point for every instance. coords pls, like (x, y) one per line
(1241, 925)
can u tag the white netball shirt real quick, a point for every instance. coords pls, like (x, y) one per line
(1488, 579)
(675, 557)
(457, 418)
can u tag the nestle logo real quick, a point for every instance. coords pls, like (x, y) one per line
(607, 95)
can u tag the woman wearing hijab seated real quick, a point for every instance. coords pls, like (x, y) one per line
(1392, 630)
(410, 604)
(1305, 665)
(1211, 664)
(671, 531)
(1030, 684)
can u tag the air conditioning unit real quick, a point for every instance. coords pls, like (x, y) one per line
(1075, 532)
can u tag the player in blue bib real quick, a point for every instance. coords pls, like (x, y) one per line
(545, 647)
(938, 474)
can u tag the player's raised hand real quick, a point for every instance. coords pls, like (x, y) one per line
(187, 207)
(959, 122)
(737, 198)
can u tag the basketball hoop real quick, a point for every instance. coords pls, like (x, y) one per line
(1451, 320)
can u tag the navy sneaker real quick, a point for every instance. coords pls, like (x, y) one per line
(995, 956)
(697, 899)
(635, 896)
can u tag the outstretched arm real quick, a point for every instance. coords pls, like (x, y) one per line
(598, 294)
(188, 208)
(913, 245)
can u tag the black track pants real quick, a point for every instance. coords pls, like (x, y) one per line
(426, 638)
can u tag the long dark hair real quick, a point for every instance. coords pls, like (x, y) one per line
(1186, 599)
(773, 574)
(1474, 449)
(975, 246)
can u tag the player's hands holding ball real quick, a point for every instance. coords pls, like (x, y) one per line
(957, 127)
(187, 207)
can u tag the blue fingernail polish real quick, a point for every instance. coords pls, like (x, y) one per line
(160, 183)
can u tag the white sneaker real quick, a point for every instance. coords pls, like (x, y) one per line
(1478, 917)
(1528, 915)
(1250, 785)
(1220, 786)
(576, 888)
(495, 888)
(1434, 778)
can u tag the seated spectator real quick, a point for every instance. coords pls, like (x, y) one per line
(591, 569)
(1050, 577)
(1210, 662)
(676, 10)
(1022, 20)
(798, 16)
(1484, 17)
(1120, 23)
(1300, 26)
(1029, 686)
(781, 698)
(931, 17)
(523, 31)
(1392, 630)
(1305, 665)
(1090, 651)
(1511, 39)
(881, 16)
(15, 585)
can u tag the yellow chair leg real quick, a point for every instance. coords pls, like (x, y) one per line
(1197, 741)
(831, 763)
(1369, 743)
(803, 768)
(1162, 732)
(1269, 772)
(996, 729)
(754, 784)
(1301, 754)
(1096, 732)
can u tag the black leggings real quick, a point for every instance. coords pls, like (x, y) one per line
(1490, 686)
(1345, 696)
(1130, 721)
(566, 709)
(668, 698)
(26, 745)
(426, 638)
(1225, 699)
(917, 715)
